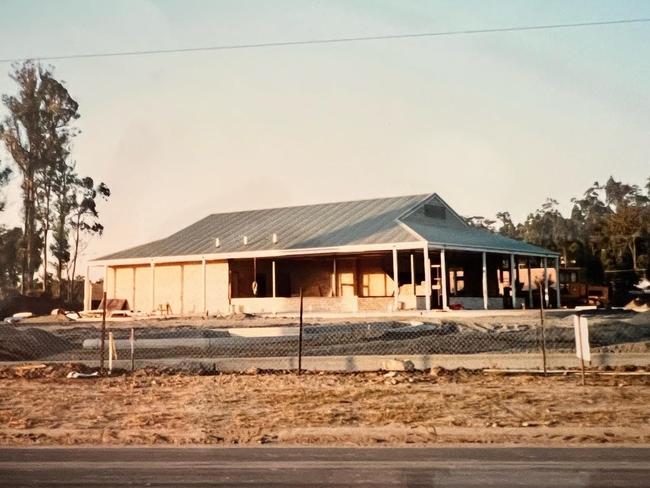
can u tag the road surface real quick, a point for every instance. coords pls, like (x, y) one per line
(279, 466)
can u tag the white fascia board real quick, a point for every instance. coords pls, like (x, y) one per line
(438, 246)
(259, 254)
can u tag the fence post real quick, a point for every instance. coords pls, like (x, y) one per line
(132, 340)
(300, 338)
(102, 340)
(541, 316)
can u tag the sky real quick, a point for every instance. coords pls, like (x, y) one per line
(491, 122)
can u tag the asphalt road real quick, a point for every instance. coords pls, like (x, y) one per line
(278, 466)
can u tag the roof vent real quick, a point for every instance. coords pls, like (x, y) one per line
(435, 211)
(245, 240)
(274, 238)
(217, 242)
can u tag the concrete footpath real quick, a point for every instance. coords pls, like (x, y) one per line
(313, 466)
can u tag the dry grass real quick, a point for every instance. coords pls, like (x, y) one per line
(359, 409)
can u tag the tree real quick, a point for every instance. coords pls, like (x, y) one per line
(37, 134)
(627, 220)
(5, 173)
(85, 217)
(507, 228)
(64, 183)
(481, 222)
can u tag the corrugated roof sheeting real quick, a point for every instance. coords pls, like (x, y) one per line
(327, 225)
(308, 226)
(474, 238)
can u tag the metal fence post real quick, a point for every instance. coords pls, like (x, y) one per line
(132, 340)
(300, 338)
(541, 316)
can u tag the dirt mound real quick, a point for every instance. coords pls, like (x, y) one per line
(46, 319)
(19, 344)
(33, 371)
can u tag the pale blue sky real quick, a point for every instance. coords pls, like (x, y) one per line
(491, 122)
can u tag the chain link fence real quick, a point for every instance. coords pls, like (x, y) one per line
(81, 341)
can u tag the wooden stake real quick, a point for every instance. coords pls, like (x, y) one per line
(102, 340)
(300, 339)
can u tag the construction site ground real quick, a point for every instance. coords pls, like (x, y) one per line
(40, 406)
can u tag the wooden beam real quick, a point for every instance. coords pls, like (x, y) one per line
(153, 287)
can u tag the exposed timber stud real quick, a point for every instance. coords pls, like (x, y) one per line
(427, 278)
(182, 288)
(133, 291)
(395, 280)
(335, 291)
(484, 281)
(557, 282)
(153, 286)
(205, 294)
(443, 279)
(513, 282)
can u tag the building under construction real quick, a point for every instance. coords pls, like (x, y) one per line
(384, 254)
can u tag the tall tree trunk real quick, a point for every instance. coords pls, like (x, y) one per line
(46, 230)
(74, 256)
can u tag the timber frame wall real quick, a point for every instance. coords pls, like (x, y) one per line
(197, 285)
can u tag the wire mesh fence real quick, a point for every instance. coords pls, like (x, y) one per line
(82, 341)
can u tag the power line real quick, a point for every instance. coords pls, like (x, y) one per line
(338, 40)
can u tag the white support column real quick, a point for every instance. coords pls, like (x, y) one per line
(513, 282)
(545, 282)
(413, 274)
(485, 287)
(443, 279)
(153, 286)
(273, 277)
(427, 278)
(557, 282)
(88, 291)
(335, 290)
(205, 290)
(530, 284)
(105, 283)
(395, 280)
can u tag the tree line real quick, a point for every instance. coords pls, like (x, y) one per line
(607, 230)
(59, 206)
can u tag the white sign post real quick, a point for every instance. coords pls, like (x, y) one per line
(581, 331)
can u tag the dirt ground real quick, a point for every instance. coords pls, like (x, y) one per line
(41, 406)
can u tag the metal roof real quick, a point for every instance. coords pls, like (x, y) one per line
(328, 225)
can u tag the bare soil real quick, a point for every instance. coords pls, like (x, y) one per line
(40, 406)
